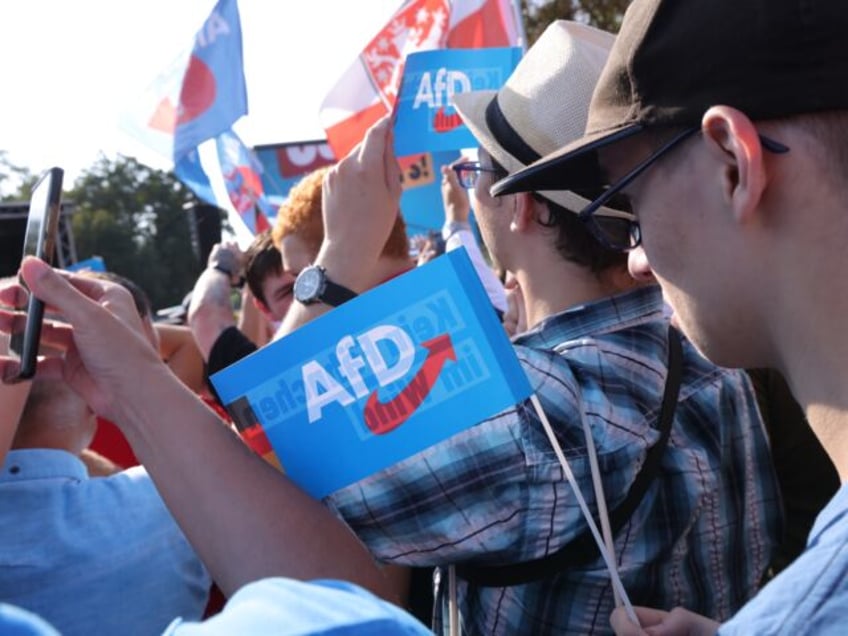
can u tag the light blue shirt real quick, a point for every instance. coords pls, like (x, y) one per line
(15, 621)
(282, 607)
(93, 556)
(811, 595)
(285, 607)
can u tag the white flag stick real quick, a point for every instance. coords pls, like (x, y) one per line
(593, 528)
(600, 497)
(453, 609)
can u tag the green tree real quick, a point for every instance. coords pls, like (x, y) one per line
(15, 181)
(134, 218)
(604, 14)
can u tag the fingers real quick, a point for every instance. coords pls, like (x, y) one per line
(50, 368)
(75, 297)
(449, 176)
(394, 175)
(13, 294)
(623, 626)
(677, 622)
(377, 148)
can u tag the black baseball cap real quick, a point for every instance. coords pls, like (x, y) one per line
(674, 59)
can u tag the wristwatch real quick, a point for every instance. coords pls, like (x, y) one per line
(312, 286)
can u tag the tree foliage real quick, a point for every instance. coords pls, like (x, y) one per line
(134, 218)
(604, 14)
(15, 181)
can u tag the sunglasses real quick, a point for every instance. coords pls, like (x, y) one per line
(468, 173)
(623, 233)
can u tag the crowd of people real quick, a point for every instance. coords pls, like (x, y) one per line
(661, 225)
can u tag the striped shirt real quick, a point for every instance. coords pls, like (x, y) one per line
(701, 538)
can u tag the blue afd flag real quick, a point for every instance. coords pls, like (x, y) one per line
(200, 95)
(190, 171)
(378, 379)
(426, 119)
(243, 177)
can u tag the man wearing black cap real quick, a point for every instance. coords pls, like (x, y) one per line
(724, 126)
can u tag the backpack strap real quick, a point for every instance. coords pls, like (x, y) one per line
(583, 549)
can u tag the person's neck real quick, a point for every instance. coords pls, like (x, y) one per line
(806, 324)
(70, 443)
(66, 433)
(818, 376)
(553, 285)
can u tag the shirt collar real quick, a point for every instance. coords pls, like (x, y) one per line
(832, 512)
(608, 314)
(41, 463)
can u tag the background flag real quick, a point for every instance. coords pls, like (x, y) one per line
(373, 382)
(426, 119)
(285, 164)
(189, 170)
(200, 95)
(368, 89)
(242, 173)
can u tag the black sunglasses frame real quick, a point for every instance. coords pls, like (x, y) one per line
(588, 213)
(464, 171)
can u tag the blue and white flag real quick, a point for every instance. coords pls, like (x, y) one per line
(242, 173)
(426, 118)
(388, 374)
(190, 171)
(200, 95)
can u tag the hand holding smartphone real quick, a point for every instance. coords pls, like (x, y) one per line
(40, 241)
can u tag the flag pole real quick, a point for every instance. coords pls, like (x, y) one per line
(519, 21)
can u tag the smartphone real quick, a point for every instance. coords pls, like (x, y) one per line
(39, 240)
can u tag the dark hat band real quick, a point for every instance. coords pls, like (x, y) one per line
(507, 136)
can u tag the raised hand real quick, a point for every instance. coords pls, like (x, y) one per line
(677, 622)
(454, 197)
(104, 349)
(361, 199)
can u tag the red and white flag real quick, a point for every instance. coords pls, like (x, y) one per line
(368, 89)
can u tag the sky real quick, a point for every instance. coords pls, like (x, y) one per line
(72, 67)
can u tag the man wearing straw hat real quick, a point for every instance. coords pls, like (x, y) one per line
(688, 487)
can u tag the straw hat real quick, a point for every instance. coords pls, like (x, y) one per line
(544, 103)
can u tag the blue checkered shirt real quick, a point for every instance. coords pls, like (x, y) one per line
(495, 494)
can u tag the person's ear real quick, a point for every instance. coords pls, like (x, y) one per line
(522, 211)
(733, 140)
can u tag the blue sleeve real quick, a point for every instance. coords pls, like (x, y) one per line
(15, 621)
(286, 607)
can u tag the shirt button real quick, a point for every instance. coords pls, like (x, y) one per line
(15, 470)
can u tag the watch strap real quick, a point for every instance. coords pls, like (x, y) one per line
(334, 294)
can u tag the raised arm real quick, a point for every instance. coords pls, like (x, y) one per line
(361, 199)
(457, 233)
(245, 519)
(211, 311)
(180, 352)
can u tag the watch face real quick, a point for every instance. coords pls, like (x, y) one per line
(308, 284)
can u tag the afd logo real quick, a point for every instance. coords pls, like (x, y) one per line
(437, 93)
(368, 352)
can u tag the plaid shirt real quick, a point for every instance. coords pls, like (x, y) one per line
(701, 538)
